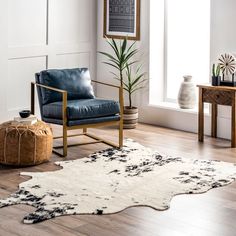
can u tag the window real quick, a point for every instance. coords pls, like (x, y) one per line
(180, 37)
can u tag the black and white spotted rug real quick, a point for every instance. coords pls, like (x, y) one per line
(110, 181)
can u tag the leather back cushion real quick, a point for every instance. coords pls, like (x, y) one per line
(76, 82)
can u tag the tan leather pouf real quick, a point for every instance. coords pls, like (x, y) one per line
(25, 145)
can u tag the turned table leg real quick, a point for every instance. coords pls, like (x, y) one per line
(200, 117)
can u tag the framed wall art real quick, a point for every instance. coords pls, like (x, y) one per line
(122, 19)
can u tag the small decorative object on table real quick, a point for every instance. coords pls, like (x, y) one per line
(25, 145)
(215, 75)
(24, 113)
(187, 93)
(227, 64)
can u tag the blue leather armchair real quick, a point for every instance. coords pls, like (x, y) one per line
(66, 98)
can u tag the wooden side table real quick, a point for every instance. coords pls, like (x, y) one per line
(216, 95)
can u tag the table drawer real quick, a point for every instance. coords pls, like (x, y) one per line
(218, 97)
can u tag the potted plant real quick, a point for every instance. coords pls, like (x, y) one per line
(216, 75)
(134, 81)
(122, 56)
(122, 60)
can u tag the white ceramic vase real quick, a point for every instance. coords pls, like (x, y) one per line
(187, 93)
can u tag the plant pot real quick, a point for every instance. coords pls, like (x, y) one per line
(130, 118)
(215, 81)
(187, 93)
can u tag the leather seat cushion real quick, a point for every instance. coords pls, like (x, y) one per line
(84, 121)
(76, 82)
(82, 109)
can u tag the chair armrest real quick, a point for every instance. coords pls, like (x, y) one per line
(64, 99)
(106, 84)
(48, 87)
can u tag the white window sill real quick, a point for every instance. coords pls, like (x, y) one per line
(175, 107)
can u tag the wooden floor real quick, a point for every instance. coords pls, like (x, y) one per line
(209, 214)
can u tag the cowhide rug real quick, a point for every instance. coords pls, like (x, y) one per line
(110, 181)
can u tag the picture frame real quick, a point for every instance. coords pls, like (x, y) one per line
(122, 19)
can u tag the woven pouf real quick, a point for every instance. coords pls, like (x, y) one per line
(25, 145)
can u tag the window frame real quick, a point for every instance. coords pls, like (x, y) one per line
(165, 55)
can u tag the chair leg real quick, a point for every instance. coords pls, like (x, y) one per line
(64, 141)
(65, 137)
(121, 134)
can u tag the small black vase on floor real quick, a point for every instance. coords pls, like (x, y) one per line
(215, 80)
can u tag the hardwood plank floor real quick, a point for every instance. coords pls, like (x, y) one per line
(208, 214)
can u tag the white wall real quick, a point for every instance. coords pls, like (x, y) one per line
(42, 34)
(223, 39)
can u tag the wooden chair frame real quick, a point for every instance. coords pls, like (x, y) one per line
(66, 128)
